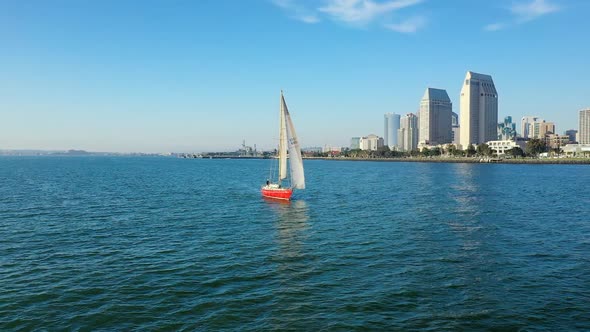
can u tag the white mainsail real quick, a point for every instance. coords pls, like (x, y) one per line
(282, 142)
(295, 160)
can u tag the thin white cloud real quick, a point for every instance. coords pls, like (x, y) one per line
(309, 19)
(495, 26)
(362, 11)
(356, 13)
(298, 11)
(523, 12)
(530, 11)
(410, 25)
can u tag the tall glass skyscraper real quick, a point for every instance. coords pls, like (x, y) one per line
(435, 117)
(391, 125)
(479, 110)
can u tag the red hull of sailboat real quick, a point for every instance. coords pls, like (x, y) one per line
(279, 193)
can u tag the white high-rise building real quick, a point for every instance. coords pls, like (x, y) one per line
(435, 118)
(479, 110)
(407, 134)
(527, 124)
(391, 125)
(371, 142)
(584, 130)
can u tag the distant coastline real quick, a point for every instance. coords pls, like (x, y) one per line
(465, 160)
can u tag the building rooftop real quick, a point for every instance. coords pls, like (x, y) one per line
(477, 76)
(436, 94)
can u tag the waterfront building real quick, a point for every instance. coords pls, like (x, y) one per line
(312, 149)
(391, 125)
(435, 118)
(546, 128)
(507, 129)
(584, 130)
(501, 147)
(572, 133)
(355, 143)
(554, 141)
(371, 142)
(479, 109)
(577, 150)
(407, 134)
(539, 128)
(526, 125)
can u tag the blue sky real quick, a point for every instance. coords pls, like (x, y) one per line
(157, 76)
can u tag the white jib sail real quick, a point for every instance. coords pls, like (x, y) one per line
(282, 142)
(295, 160)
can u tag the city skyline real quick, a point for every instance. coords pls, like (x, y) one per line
(183, 77)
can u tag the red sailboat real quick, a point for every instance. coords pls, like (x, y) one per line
(287, 143)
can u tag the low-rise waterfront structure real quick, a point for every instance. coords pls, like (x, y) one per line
(501, 147)
(577, 150)
(554, 141)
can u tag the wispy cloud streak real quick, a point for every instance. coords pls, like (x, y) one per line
(524, 12)
(356, 13)
(530, 11)
(410, 25)
(363, 11)
(298, 11)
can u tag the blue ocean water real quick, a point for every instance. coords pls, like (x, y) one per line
(101, 243)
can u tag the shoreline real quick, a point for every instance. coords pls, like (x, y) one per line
(548, 161)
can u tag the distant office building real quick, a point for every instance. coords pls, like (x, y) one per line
(331, 149)
(554, 141)
(507, 129)
(456, 131)
(539, 128)
(479, 110)
(371, 142)
(391, 125)
(584, 130)
(526, 125)
(546, 128)
(435, 118)
(454, 119)
(355, 143)
(312, 149)
(572, 133)
(407, 134)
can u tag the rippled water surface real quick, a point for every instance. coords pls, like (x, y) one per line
(97, 243)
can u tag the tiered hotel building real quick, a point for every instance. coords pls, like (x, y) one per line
(479, 110)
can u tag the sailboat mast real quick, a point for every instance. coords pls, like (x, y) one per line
(282, 141)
